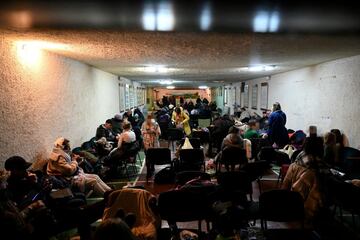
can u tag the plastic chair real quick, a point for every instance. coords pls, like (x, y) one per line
(345, 197)
(351, 161)
(156, 156)
(192, 159)
(202, 135)
(174, 134)
(183, 206)
(231, 156)
(281, 206)
(257, 144)
(204, 123)
(236, 182)
(256, 170)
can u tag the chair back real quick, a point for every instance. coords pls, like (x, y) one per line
(182, 206)
(271, 155)
(191, 159)
(234, 155)
(257, 144)
(202, 135)
(281, 158)
(203, 123)
(281, 206)
(351, 158)
(344, 194)
(158, 156)
(186, 176)
(235, 182)
(256, 170)
(175, 134)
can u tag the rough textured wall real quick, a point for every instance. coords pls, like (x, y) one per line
(44, 96)
(326, 95)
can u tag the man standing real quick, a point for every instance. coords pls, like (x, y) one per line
(277, 132)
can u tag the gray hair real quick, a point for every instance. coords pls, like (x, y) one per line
(276, 106)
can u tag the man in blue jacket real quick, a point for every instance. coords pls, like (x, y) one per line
(277, 132)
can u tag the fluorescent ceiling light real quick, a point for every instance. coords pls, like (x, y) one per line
(203, 87)
(260, 68)
(166, 82)
(158, 17)
(156, 69)
(274, 22)
(265, 21)
(149, 18)
(205, 18)
(261, 21)
(165, 17)
(170, 87)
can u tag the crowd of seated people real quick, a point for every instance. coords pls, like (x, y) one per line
(183, 115)
(37, 204)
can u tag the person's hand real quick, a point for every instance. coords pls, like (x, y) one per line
(32, 177)
(264, 136)
(37, 205)
(47, 185)
(76, 157)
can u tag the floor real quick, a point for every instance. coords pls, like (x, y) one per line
(331, 230)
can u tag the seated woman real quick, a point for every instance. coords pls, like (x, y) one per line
(302, 177)
(233, 139)
(63, 163)
(181, 120)
(150, 131)
(127, 145)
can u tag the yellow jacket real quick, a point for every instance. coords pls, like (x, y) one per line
(183, 119)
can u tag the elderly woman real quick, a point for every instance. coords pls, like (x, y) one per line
(151, 132)
(64, 164)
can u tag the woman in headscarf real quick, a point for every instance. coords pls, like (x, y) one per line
(63, 163)
(181, 120)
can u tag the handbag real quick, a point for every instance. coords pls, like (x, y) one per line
(289, 150)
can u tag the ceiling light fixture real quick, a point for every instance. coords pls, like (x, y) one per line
(158, 17)
(165, 82)
(205, 19)
(155, 69)
(265, 21)
(260, 68)
(170, 87)
(203, 87)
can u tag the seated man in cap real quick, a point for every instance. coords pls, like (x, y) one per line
(21, 183)
(105, 130)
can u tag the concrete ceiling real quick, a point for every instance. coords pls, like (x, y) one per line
(191, 58)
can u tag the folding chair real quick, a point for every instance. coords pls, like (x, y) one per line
(192, 159)
(173, 135)
(156, 156)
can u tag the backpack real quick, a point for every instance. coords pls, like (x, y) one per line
(165, 176)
